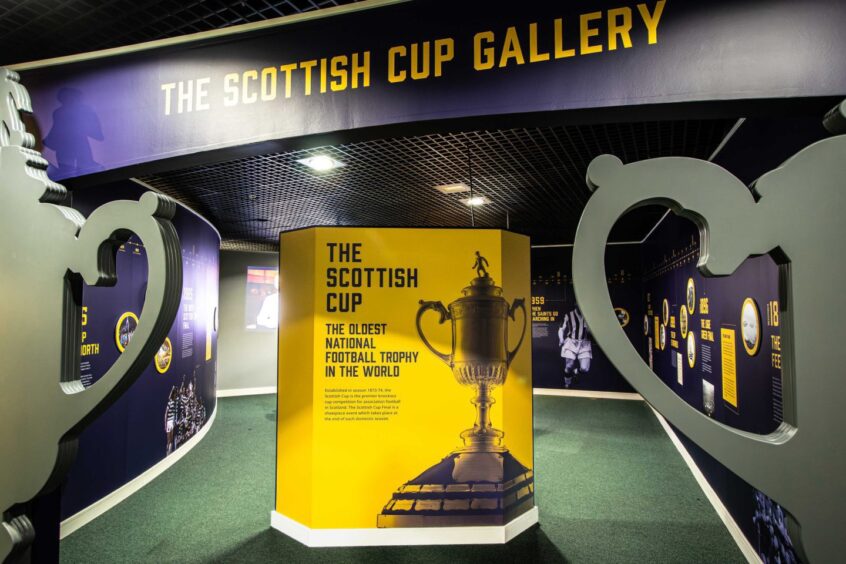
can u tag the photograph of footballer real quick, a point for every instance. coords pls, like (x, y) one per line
(185, 414)
(576, 349)
(691, 349)
(691, 296)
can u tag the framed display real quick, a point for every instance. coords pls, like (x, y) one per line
(708, 397)
(125, 328)
(690, 295)
(662, 339)
(691, 349)
(665, 311)
(683, 321)
(622, 316)
(164, 356)
(646, 324)
(750, 326)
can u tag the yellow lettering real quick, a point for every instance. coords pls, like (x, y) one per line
(230, 89)
(586, 32)
(511, 48)
(393, 74)
(287, 70)
(560, 52)
(444, 52)
(361, 69)
(246, 96)
(268, 84)
(419, 69)
(535, 56)
(651, 20)
(338, 72)
(168, 88)
(483, 59)
(307, 66)
(615, 28)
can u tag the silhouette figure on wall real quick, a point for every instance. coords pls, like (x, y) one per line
(74, 126)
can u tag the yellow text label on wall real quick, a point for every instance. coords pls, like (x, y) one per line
(728, 348)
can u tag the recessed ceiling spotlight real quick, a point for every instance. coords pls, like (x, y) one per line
(453, 188)
(475, 201)
(320, 163)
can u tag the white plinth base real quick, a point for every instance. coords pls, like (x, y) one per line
(402, 536)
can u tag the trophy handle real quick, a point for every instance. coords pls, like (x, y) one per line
(109, 226)
(439, 307)
(521, 304)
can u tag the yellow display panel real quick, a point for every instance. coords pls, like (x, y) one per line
(370, 419)
(728, 349)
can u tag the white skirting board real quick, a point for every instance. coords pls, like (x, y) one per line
(734, 530)
(246, 392)
(587, 394)
(85, 516)
(403, 536)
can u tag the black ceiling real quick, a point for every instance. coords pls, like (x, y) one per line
(533, 177)
(40, 29)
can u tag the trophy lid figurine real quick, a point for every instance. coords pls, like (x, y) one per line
(480, 483)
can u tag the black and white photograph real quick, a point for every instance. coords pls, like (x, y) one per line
(750, 326)
(691, 350)
(691, 296)
(708, 397)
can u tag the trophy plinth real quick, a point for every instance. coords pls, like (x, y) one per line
(481, 483)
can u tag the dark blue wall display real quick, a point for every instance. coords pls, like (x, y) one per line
(176, 394)
(564, 354)
(716, 343)
(406, 63)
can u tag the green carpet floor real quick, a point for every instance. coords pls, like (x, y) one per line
(610, 488)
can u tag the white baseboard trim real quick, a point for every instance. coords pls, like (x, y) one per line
(587, 394)
(734, 530)
(85, 516)
(246, 392)
(402, 536)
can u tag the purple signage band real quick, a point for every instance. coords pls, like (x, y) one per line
(417, 61)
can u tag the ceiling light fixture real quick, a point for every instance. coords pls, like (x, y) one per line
(475, 201)
(456, 188)
(320, 163)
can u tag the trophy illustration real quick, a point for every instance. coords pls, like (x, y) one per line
(47, 251)
(480, 483)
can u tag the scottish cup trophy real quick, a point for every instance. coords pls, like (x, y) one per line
(46, 252)
(480, 483)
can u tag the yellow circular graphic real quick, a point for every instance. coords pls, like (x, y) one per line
(163, 356)
(622, 316)
(683, 321)
(665, 312)
(663, 337)
(750, 326)
(125, 328)
(691, 350)
(691, 296)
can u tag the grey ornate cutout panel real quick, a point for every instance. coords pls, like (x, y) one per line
(796, 213)
(46, 251)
